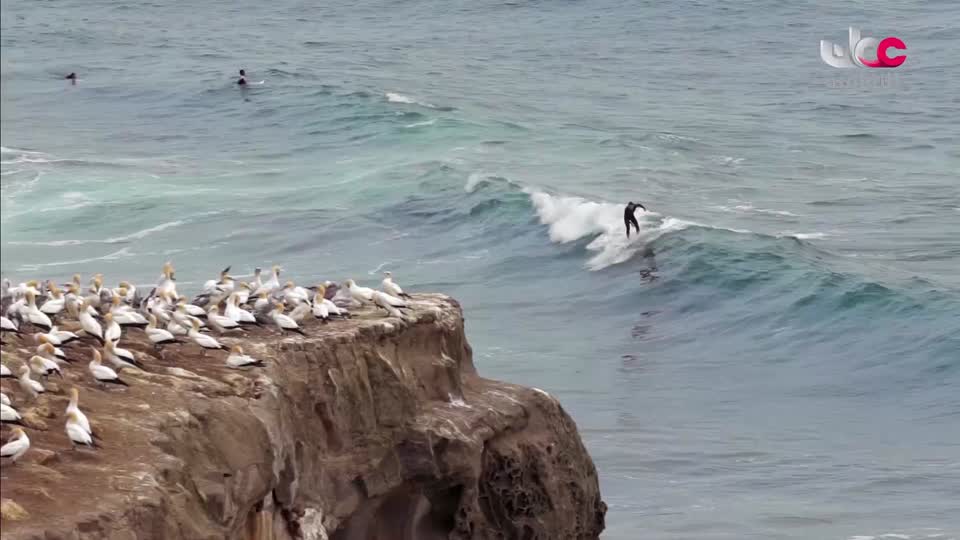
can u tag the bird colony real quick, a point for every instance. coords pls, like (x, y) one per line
(38, 315)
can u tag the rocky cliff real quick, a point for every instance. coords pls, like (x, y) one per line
(369, 428)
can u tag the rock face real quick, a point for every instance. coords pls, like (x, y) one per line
(366, 429)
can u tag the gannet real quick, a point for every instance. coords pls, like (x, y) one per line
(51, 353)
(126, 292)
(63, 335)
(284, 322)
(23, 289)
(7, 325)
(17, 446)
(262, 302)
(213, 285)
(190, 309)
(388, 303)
(111, 330)
(5, 372)
(243, 292)
(219, 322)
(271, 285)
(33, 314)
(392, 288)
(121, 358)
(4, 399)
(126, 315)
(158, 336)
(176, 328)
(320, 309)
(76, 433)
(237, 314)
(49, 337)
(158, 306)
(292, 294)
(54, 305)
(167, 285)
(89, 325)
(102, 373)
(71, 300)
(29, 386)
(43, 367)
(300, 311)
(9, 415)
(74, 407)
(203, 340)
(364, 295)
(236, 359)
(257, 282)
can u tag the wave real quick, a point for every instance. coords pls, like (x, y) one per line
(744, 208)
(430, 122)
(394, 97)
(138, 235)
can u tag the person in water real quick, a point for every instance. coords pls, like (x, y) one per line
(72, 77)
(629, 218)
(243, 78)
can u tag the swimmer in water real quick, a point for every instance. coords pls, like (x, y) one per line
(243, 78)
(73, 78)
(629, 218)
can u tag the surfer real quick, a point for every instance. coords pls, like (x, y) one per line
(242, 81)
(628, 217)
(72, 77)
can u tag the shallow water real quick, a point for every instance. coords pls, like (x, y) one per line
(775, 356)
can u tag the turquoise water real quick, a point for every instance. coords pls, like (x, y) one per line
(777, 355)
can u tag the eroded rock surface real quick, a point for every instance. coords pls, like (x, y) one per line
(367, 429)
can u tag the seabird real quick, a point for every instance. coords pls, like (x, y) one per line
(4, 399)
(167, 285)
(111, 329)
(7, 325)
(364, 295)
(102, 373)
(389, 303)
(5, 372)
(203, 340)
(236, 313)
(158, 336)
(76, 433)
(121, 358)
(293, 294)
(126, 315)
(89, 325)
(236, 359)
(33, 314)
(17, 446)
(320, 309)
(9, 415)
(63, 335)
(219, 322)
(48, 351)
(392, 288)
(74, 407)
(29, 386)
(271, 285)
(54, 304)
(43, 367)
(300, 311)
(284, 322)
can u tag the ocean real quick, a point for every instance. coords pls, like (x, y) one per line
(775, 356)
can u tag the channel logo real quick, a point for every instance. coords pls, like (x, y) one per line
(856, 55)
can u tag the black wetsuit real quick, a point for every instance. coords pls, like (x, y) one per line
(242, 81)
(628, 217)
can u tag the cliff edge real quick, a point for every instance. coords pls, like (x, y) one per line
(366, 429)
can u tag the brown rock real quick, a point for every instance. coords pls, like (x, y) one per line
(11, 511)
(366, 429)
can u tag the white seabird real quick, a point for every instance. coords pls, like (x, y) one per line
(392, 288)
(76, 433)
(236, 313)
(74, 407)
(219, 322)
(320, 309)
(89, 324)
(236, 359)
(33, 314)
(111, 329)
(102, 373)
(121, 358)
(42, 366)
(158, 336)
(17, 446)
(271, 285)
(364, 295)
(389, 303)
(7, 325)
(5, 372)
(283, 322)
(64, 336)
(29, 386)
(48, 351)
(203, 340)
(9, 415)
(54, 305)
(4, 399)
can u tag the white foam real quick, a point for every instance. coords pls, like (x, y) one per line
(121, 253)
(430, 122)
(394, 97)
(474, 180)
(806, 236)
(749, 208)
